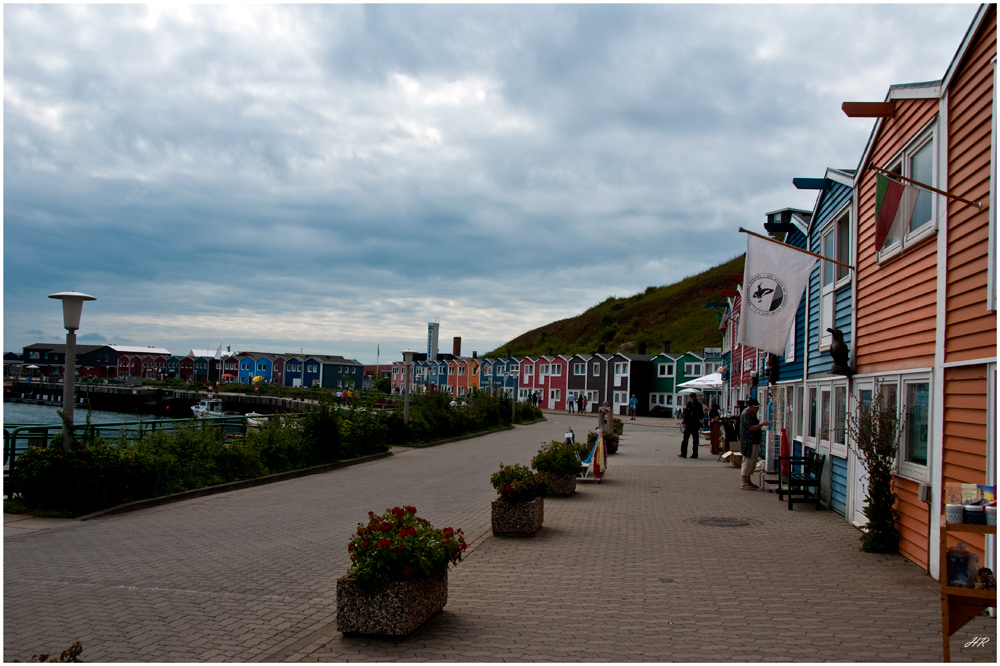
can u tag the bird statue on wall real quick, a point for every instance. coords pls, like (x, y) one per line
(840, 353)
(772, 369)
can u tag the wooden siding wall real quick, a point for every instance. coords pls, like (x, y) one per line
(965, 405)
(896, 307)
(838, 485)
(971, 328)
(821, 362)
(914, 521)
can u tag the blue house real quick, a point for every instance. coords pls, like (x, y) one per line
(822, 404)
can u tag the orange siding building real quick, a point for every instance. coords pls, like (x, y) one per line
(926, 317)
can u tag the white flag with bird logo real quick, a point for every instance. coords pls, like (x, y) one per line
(774, 278)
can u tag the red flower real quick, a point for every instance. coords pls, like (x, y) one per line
(449, 531)
(407, 570)
(463, 545)
(384, 543)
(411, 509)
(398, 550)
(399, 513)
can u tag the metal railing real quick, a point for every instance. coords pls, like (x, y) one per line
(17, 438)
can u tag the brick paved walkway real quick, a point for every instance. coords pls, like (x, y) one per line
(621, 571)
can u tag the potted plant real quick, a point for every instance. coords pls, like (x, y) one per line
(618, 425)
(559, 462)
(610, 442)
(399, 574)
(519, 509)
(875, 431)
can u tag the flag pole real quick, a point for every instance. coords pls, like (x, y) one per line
(871, 165)
(797, 249)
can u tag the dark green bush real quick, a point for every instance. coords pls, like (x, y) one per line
(557, 459)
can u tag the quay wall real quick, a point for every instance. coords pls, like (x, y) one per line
(171, 403)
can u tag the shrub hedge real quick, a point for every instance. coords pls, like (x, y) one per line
(98, 473)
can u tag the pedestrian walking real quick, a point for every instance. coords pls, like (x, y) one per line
(750, 427)
(693, 411)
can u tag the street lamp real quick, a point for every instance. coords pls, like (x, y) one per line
(72, 302)
(408, 363)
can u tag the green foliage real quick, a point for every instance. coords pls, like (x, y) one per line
(674, 312)
(557, 459)
(399, 546)
(875, 429)
(518, 484)
(321, 428)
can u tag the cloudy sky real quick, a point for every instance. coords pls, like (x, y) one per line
(333, 177)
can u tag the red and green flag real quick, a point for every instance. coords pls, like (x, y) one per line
(894, 204)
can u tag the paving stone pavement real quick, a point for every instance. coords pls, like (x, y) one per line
(621, 571)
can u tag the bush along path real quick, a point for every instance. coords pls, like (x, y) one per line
(98, 473)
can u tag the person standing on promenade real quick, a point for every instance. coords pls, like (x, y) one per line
(570, 403)
(693, 411)
(750, 427)
(633, 404)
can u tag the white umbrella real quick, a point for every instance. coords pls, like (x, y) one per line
(690, 390)
(712, 381)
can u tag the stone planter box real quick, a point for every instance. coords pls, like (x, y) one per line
(522, 519)
(562, 486)
(394, 610)
(611, 443)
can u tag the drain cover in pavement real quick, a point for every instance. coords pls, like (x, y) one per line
(724, 522)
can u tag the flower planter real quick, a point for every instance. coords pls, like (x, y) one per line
(522, 519)
(393, 610)
(562, 486)
(611, 443)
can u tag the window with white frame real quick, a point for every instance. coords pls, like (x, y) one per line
(557, 369)
(579, 369)
(692, 369)
(917, 162)
(451, 370)
(529, 371)
(461, 390)
(595, 369)
(838, 437)
(621, 369)
(461, 371)
(665, 370)
(835, 243)
(554, 394)
(543, 370)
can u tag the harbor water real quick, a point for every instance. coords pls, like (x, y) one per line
(22, 413)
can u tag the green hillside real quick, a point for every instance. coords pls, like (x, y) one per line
(674, 313)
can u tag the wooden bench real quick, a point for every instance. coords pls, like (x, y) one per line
(801, 482)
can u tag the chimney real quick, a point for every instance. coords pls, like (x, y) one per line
(642, 347)
(456, 347)
(666, 346)
(474, 354)
(600, 349)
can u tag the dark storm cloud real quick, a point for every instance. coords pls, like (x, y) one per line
(276, 177)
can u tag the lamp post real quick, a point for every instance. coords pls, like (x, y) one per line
(72, 302)
(408, 363)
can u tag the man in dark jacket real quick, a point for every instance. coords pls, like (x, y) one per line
(750, 435)
(692, 415)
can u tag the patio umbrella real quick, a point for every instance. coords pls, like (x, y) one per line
(258, 378)
(712, 381)
(690, 390)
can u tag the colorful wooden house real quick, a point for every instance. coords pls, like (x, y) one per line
(925, 330)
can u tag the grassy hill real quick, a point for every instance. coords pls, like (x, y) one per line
(674, 313)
